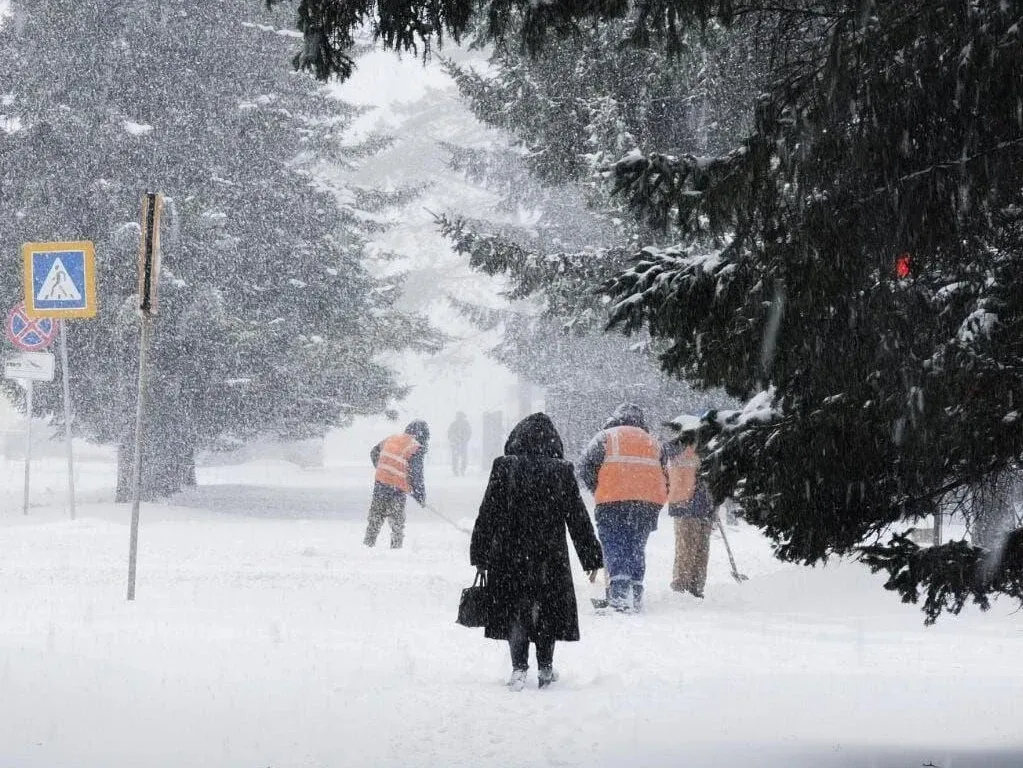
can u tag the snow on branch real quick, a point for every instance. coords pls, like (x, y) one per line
(555, 274)
(763, 408)
(948, 575)
(686, 277)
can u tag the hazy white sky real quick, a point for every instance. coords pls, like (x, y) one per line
(420, 107)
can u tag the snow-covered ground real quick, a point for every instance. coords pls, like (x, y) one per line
(265, 634)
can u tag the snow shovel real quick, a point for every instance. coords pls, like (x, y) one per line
(739, 577)
(447, 520)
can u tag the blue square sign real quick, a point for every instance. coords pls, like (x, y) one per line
(60, 279)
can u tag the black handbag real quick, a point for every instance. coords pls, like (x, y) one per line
(474, 607)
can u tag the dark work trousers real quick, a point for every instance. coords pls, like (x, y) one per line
(624, 541)
(388, 504)
(518, 643)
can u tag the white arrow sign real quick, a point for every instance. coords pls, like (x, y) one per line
(31, 366)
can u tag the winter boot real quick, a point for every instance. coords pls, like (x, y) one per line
(518, 680)
(546, 675)
(620, 595)
(637, 597)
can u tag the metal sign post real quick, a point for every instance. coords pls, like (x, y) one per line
(28, 439)
(60, 281)
(149, 259)
(67, 420)
(28, 367)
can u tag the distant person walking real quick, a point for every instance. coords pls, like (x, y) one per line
(622, 468)
(399, 472)
(519, 541)
(690, 505)
(458, 435)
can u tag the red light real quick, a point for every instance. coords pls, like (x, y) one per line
(902, 269)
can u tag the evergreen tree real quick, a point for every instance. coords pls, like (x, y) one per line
(852, 269)
(569, 112)
(576, 107)
(552, 332)
(866, 281)
(269, 323)
(572, 110)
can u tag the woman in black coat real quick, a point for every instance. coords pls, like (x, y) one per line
(519, 540)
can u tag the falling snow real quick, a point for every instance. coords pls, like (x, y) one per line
(742, 225)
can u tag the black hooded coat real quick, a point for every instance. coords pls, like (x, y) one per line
(519, 536)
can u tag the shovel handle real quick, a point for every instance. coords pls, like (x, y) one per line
(735, 570)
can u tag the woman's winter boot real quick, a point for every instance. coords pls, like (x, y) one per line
(546, 675)
(518, 680)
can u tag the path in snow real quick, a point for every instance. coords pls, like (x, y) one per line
(265, 634)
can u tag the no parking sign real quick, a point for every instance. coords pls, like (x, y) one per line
(30, 334)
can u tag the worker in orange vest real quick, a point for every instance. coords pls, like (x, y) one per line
(689, 505)
(623, 469)
(399, 472)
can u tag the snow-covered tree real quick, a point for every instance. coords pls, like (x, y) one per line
(865, 285)
(851, 269)
(552, 331)
(572, 110)
(268, 321)
(576, 107)
(569, 112)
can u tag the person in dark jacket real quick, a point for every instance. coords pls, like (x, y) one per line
(623, 468)
(399, 472)
(519, 541)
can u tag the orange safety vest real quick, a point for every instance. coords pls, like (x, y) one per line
(682, 471)
(632, 468)
(392, 465)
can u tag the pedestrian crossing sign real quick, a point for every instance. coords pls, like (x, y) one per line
(60, 279)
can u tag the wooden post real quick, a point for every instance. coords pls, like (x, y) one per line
(149, 260)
